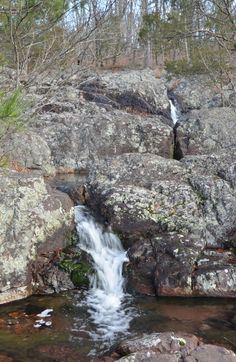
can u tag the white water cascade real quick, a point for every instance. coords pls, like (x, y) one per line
(173, 112)
(106, 298)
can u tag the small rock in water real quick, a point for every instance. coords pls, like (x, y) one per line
(45, 313)
(36, 325)
(42, 323)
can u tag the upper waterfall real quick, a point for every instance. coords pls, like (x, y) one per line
(173, 112)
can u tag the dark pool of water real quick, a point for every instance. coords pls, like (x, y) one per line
(68, 339)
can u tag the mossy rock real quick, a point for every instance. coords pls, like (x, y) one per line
(80, 275)
(79, 270)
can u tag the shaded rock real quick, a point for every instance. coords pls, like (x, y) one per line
(207, 131)
(172, 347)
(176, 260)
(35, 219)
(58, 107)
(28, 150)
(51, 279)
(132, 90)
(141, 268)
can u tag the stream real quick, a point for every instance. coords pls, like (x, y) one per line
(69, 337)
(83, 325)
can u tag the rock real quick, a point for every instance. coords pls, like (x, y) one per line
(213, 177)
(49, 278)
(167, 342)
(149, 357)
(35, 219)
(195, 92)
(215, 280)
(78, 141)
(27, 149)
(169, 213)
(207, 131)
(58, 107)
(207, 352)
(132, 90)
(221, 164)
(142, 195)
(172, 347)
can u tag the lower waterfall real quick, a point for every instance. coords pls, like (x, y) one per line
(105, 300)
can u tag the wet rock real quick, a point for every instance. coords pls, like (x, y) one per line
(28, 150)
(172, 347)
(207, 131)
(50, 278)
(35, 219)
(5, 358)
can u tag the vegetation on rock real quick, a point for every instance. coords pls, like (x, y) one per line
(11, 109)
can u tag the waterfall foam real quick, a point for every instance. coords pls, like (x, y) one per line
(106, 299)
(173, 112)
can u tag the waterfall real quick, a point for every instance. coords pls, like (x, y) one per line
(106, 299)
(173, 112)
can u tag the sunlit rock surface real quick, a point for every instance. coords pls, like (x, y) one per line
(171, 347)
(35, 220)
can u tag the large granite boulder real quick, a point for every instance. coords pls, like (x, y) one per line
(170, 215)
(78, 140)
(35, 220)
(207, 131)
(170, 347)
(195, 92)
(27, 150)
(134, 90)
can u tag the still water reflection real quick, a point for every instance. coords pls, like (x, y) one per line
(68, 339)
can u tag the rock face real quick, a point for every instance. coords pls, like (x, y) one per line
(171, 215)
(195, 92)
(170, 347)
(207, 131)
(130, 90)
(35, 219)
(177, 217)
(28, 150)
(79, 140)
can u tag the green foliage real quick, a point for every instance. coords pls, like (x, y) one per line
(202, 60)
(80, 275)
(79, 270)
(182, 67)
(11, 109)
(3, 60)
